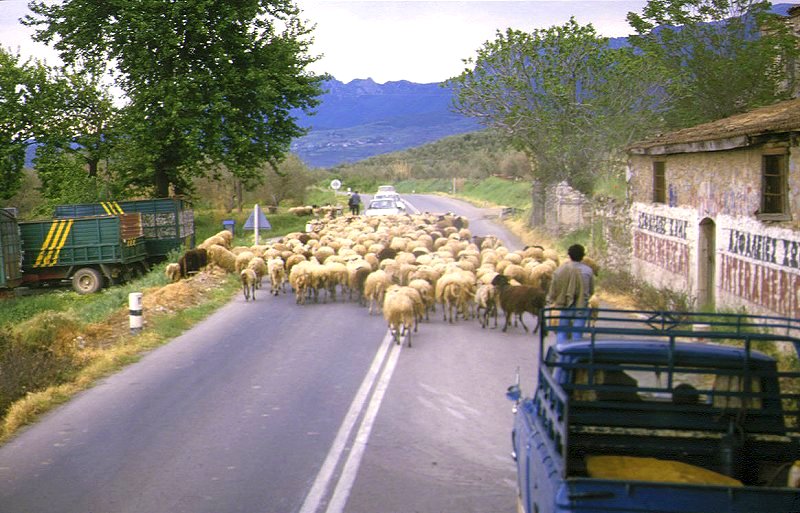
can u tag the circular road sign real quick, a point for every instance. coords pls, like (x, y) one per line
(335, 184)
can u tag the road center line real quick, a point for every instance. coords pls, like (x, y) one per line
(348, 477)
(322, 482)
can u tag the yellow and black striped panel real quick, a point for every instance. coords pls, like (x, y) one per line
(112, 208)
(55, 240)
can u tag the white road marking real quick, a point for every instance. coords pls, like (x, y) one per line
(348, 477)
(325, 475)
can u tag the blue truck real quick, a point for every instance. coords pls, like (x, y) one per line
(671, 412)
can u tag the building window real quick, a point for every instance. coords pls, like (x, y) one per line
(774, 188)
(659, 182)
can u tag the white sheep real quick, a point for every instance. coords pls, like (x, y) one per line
(375, 287)
(398, 310)
(277, 275)
(260, 267)
(173, 272)
(248, 277)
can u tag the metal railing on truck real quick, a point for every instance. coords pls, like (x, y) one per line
(741, 369)
(168, 223)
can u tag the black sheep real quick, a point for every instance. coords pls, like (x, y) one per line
(192, 261)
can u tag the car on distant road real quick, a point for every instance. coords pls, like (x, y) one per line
(387, 195)
(385, 188)
(384, 207)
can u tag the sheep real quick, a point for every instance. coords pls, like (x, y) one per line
(426, 293)
(173, 272)
(222, 257)
(242, 259)
(301, 280)
(486, 302)
(192, 261)
(375, 287)
(214, 239)
(593, 305)
(335, 274)
(260, 267)
(519, 299)
(357, 272)
(398, 310)
(248, 277)
(454, 290)
(277, 275)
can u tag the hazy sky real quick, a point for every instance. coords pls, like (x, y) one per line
(386, 40)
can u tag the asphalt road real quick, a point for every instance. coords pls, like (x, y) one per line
(272, 407)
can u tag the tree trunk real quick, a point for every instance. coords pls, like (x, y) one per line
(93, 164)
(538, 202)
(161, 181)
(538, 195)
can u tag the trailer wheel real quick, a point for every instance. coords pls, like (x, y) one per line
(87, 281)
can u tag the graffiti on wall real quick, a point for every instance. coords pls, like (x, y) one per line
(668, 254)
(775, 289)
(782, 252)
(662, 225)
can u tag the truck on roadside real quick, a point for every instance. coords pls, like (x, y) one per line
(168, 223)
(10, 250)
(90, 252)
(671, 412)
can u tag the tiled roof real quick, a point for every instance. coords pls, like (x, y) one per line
(779, 117)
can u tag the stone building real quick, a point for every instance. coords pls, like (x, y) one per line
(716, 211)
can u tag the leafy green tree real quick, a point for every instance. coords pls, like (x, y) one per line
(207, 82)
(76, 140)
(717, 57)
(26, 101)
(562, 96)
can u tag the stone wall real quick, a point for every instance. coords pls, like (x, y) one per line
(566, 209)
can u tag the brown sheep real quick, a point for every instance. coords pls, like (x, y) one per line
(516, 300)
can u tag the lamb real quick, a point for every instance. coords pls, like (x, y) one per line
(248, 277)
(173, 272)
(192, 261)
(486, 302)
(277, 275)
(398, 310)
(519, 299)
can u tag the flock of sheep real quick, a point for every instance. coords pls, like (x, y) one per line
(404, 265)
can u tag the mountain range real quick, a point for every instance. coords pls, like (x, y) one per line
(362, 118)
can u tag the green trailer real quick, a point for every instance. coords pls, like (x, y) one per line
(91, 252)
(10, 251)
(168, 223)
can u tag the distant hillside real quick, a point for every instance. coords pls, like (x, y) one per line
(361, 119)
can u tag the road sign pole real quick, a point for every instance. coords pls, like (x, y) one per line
(256, 215)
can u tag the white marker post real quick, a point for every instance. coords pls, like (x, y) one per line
(135, 310)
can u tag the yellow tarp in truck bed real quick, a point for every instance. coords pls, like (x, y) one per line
(652, 469)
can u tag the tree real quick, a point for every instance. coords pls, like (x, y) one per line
(77, 140)
(562, 95)
(717, 57)
(27, 99)
(207, 82)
